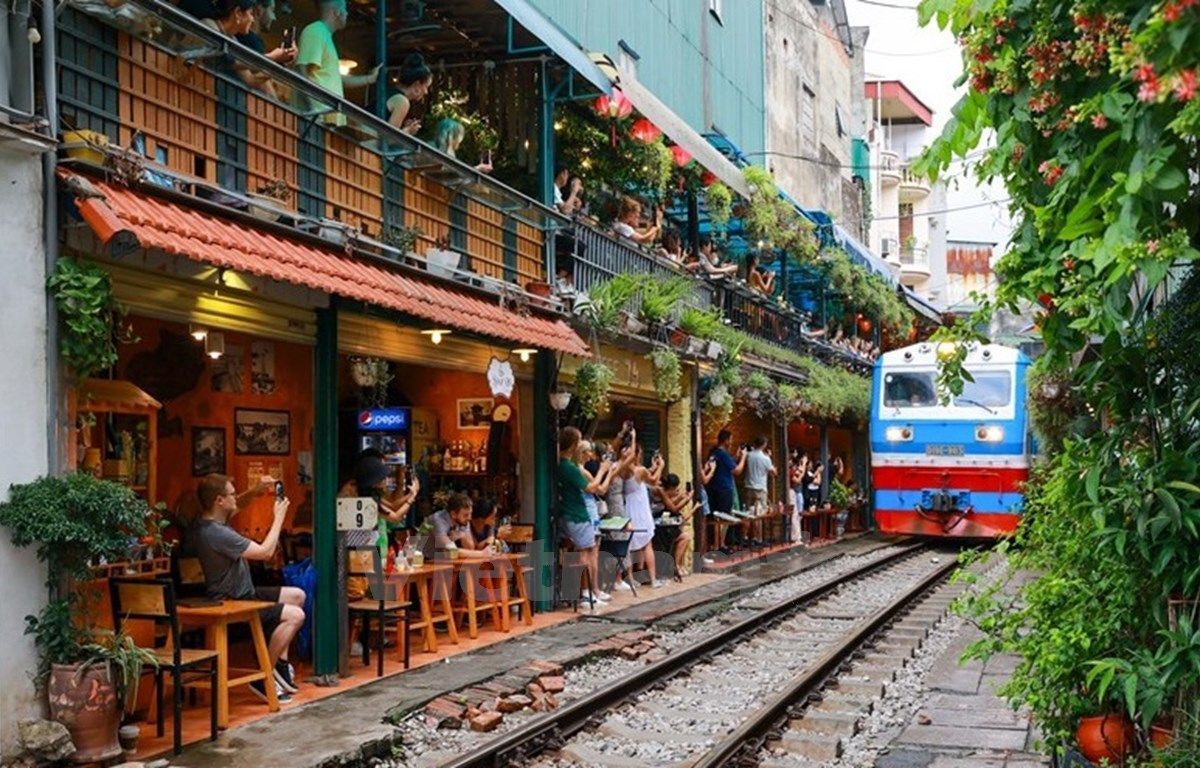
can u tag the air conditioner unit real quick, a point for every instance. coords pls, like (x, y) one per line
(889, 246)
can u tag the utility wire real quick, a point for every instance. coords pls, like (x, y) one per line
(852, 166)
(881, 4)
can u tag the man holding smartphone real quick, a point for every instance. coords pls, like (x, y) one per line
(225, 557)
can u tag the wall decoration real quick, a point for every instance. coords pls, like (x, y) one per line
(208, 451)
(500, 377)
(304, 460)
(475, 412)
(262, 432)
(227, 373)
(262, 367)
(257, 470)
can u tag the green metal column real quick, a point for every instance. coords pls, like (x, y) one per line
(545, 455)
(546, 140)
(825, 462)
(381, 50)
(325, 442)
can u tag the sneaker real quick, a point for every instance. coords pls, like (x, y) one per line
(708, 561)
(658, 584)
(285, 675)
(283, 696)
(622, 586)
(355, 649)
(603, 597)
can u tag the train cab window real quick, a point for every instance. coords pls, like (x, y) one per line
(990, 389)
(909, 389)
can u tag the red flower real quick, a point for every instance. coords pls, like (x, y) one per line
(1099, 121)
(1145, 73)
(1185, 85)
(1152, 246)
(1172, 11)
(1148, 91)
(1051, 172)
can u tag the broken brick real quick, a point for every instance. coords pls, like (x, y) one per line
(444, 707)
(487, 721)
(552, 668)
(534, 690)
(514, 703)
(552, 684)
(630, 652)
(551, 701)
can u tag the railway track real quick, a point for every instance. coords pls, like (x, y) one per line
(722, 697)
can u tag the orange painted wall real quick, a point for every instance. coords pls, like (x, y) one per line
(439, 389)
(203, 407)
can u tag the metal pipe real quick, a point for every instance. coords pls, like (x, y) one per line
(50, 233)
(381, 51)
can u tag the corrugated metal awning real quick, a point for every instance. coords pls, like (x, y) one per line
(557, 40)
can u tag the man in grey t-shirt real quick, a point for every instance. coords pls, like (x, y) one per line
(759, 470)
(224, 555)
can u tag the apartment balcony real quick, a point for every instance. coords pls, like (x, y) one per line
(914, 264)
(913, 188)
(889, 168)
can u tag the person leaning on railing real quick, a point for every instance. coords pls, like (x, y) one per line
(629, 219)
(318, 57)
(710, 261)
(415, 81)
(239, 19)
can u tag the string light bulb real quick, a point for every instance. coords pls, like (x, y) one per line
(197, 332)
(214, 345)
(524, 354)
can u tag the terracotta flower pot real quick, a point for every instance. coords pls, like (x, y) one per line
(1105, 736)
(86, 703)
(538, 289)
(679, 337)
(1162, 734)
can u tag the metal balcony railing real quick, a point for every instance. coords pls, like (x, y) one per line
(914, 256)
(598, 256)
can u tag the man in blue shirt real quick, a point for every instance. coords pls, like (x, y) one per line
(720, 487)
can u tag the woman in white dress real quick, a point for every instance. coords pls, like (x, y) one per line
(638, 480)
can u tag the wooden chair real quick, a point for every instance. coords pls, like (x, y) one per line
(188, 576)
(382, 603)
(154, 600)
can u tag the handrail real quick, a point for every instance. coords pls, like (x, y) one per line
(622, 257)
(395, 144)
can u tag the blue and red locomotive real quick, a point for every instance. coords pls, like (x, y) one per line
(953, 470)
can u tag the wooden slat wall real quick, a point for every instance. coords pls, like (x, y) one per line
(485, 239)
(530, 257)
(172, 105)
(426, 206)
(353, 183)
(271, 145)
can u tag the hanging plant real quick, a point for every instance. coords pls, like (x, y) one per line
(719, 202)
(89, 317)
(701, 324)
(667, 375)
(372, 374)
(593, 380)
(717, 403)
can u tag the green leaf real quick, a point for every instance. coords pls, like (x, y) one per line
(1169, 503)
(1168, 178)
(1131, 685)
(1092, 485)
(1180, 485)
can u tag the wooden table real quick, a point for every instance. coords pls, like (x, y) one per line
(216, 620)
(432, 581)
(496, 570)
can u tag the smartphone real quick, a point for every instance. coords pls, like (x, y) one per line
(289, 37)
(279, 490)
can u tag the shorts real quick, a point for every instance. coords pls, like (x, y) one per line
(752, 496)
(270, 617)
(581, 535)
(720, 500)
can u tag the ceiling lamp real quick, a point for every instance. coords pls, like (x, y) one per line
(524, 354)
(214, 345)
(436, 334)
(197, 332)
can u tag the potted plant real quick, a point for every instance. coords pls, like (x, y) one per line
(719, 202)
(608, 301)
(660, 297)
(593, 379)
(667, 375)
(270, 201)
(403, 239)
(540, 289)
(756, 385)
(74, 521)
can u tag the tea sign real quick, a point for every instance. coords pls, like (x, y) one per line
(500, 377)
(357, 514)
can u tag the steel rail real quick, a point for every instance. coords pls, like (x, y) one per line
(550, 732)
(749, 735)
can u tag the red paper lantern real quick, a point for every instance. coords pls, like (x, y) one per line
(864, 325)
(613, 107)
(708, 178)
(682, 156)
(644, 131)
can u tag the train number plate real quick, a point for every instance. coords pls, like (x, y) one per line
(945, 450)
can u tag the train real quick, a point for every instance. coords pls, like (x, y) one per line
(953, 470)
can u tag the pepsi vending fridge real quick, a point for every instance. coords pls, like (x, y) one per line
(389, 431)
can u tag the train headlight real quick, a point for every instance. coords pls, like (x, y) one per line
(989, 433)
(898, 434)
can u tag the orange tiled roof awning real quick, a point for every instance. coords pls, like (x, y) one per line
(179, 229)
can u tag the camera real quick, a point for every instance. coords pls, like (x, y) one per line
(289, 37)
(279, 490)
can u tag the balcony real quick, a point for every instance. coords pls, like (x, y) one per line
(914, 264)
(598, 256)
(167, 93)
(889, 168)
(913, 188)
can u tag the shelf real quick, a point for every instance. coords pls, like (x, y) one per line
(471, 474)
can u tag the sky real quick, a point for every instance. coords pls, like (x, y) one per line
(928, 61)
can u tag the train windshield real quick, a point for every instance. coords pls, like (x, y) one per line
(917, 389)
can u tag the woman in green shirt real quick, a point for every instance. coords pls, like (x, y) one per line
(577, 525)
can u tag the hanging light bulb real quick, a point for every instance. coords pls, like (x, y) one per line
(214, 345)
(436, 334)
(524, 354)
(197, 332)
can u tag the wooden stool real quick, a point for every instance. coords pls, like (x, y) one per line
(432, 582)
(495, 591)
(519, 569)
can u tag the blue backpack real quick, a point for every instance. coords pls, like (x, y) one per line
(303, 574)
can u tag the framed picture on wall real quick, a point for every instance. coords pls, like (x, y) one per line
(208, 451)
(260, 432)
(475, 413)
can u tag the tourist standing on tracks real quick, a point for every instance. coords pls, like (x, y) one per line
(759, 470)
